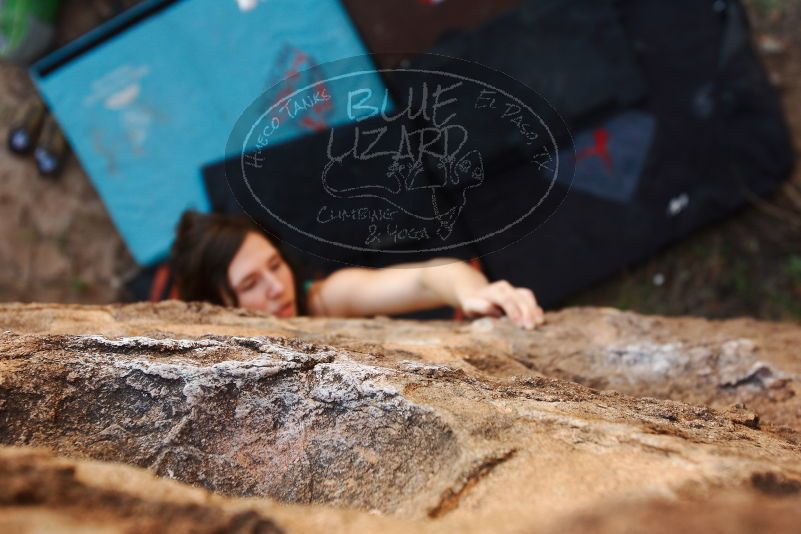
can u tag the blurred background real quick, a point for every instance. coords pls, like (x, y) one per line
(60, 240)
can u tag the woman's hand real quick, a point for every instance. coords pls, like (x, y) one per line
(356, 292)
(500, 298)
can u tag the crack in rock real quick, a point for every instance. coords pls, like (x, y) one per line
(451, 498)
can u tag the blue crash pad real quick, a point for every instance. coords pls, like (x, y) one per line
(150, 97)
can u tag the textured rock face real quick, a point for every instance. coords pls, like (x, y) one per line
(242, 416)
(439, 426)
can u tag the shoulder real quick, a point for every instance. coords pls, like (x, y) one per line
(336, 293)
(313, 298)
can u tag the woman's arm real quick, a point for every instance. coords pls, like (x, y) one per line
(357, 292)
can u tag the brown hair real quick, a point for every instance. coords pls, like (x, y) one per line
(203, 249)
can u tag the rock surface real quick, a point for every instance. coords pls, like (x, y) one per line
(599, 421)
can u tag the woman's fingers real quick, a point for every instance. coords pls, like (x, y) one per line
(498, 298)
(538, 316)
(520, 305)
(527, 310)
(530, 313)
(480, 306)
(507, 298)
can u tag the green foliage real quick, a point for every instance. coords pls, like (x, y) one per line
(78, 285)
(794, 268)
(764, 7)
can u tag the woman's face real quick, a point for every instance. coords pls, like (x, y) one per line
(261, 279)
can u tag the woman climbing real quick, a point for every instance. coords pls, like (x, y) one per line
(228, 261)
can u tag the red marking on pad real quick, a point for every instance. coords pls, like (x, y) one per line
(599, 149)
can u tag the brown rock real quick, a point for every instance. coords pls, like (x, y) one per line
(435, 426)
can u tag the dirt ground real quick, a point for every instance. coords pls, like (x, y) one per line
(58, 244)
